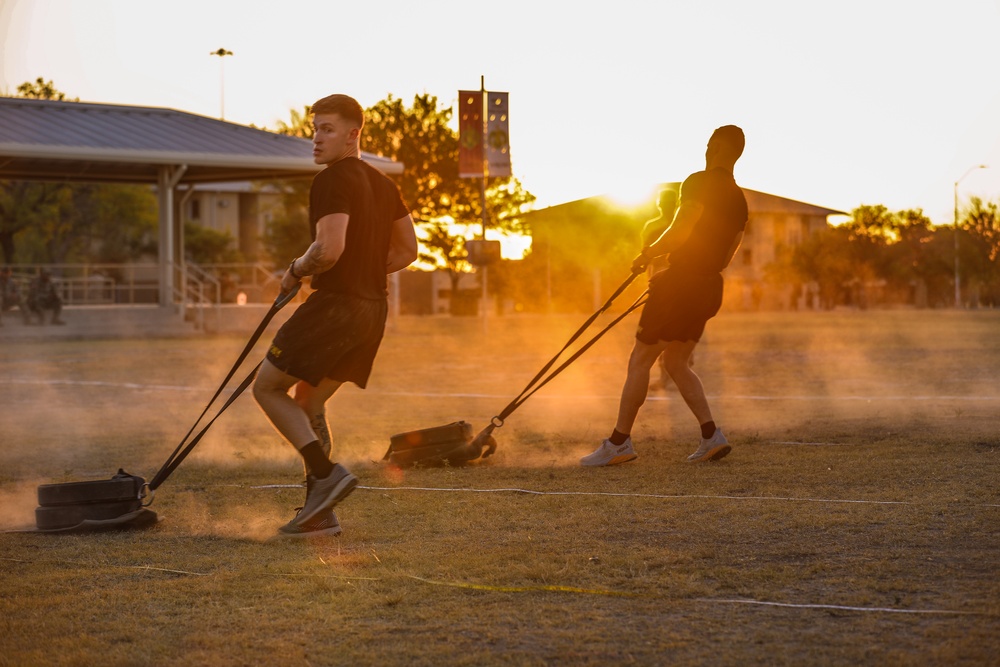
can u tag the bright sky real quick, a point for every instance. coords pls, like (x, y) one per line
(843, 102)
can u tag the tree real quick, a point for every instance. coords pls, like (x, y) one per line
(40, 89)
(22, 205)
(442, 203)
(902, 252)
(208, 246)
(979, 248)
(73, 222)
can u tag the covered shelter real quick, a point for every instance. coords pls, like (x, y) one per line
(50, 140)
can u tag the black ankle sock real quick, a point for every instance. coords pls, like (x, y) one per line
(316, 460)
(707, 430)
(618, 438)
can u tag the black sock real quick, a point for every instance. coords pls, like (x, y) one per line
(618, 438)
(316, 460)
(707, 430)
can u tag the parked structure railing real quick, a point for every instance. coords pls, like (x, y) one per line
(138, 283)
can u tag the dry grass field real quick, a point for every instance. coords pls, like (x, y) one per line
(857, 520)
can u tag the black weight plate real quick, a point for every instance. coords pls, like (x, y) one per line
(119, 488)
(65, 516)
(449, 433)
(431, 455)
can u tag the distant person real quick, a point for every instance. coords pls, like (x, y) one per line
(10, 295)
(43, 297)
(361, 231)
(705, 234)
(666, 204)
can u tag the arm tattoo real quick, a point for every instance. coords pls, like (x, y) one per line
(309, 263)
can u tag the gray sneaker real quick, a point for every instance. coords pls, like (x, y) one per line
(609, 454)
(712, 449)
(324, 523)
(325, 493)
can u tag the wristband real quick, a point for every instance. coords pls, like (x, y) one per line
(291, 270)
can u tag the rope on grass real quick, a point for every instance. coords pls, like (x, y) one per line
(888, 610)
(589, 591)
(523, 589)
(548, 589)
(631, 495)
(111, 565)
(655, 496)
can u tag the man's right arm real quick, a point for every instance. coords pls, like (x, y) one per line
(675, 235)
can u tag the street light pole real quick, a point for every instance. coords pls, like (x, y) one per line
(222, 53)
(958, 285)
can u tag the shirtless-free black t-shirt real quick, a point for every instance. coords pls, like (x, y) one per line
(372, 202)
(724, 216)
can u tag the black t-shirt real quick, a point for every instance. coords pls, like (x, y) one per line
(724, 216)
(373, 202)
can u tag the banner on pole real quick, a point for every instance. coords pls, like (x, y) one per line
(470, 134)
(497, 135)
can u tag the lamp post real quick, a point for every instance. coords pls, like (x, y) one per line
(222, 53)
(958, 285)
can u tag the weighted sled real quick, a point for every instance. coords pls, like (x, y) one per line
(449, 444)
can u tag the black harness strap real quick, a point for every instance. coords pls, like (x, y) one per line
(181, 451)
(538, 380)
(516, 403)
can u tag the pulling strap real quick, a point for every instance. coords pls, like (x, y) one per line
(181, 451)
(538, 382)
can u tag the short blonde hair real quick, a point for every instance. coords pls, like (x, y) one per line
(344, 106)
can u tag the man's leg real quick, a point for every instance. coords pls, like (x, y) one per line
(270, 389)
(677, 360)
(56, 305)
(636, 387)
(713, 444)
(331, 482)
(312, 400)
(618, 447)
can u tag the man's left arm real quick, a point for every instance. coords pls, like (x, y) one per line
(732, 249)
(402, 245)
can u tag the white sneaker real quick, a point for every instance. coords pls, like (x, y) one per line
(609, 454)
(712, 449)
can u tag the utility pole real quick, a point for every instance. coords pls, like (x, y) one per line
(958, 285)
(482, 199)
(222, 53)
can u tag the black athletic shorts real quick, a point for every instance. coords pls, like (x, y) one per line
(679, 305)
(331, 335)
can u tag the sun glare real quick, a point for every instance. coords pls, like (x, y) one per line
(631, 195)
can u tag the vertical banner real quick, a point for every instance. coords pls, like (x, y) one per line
(497, 135)
(470, 134)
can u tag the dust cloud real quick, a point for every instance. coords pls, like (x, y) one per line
(80, 410)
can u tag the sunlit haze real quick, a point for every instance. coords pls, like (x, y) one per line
(843, 103)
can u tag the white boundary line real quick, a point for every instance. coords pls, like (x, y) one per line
(654, 496)
(889, 610)
(96, 383)
(659, 496)
(431, 394)
(764, 603)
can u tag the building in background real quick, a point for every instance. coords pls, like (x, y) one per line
(582, 250)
